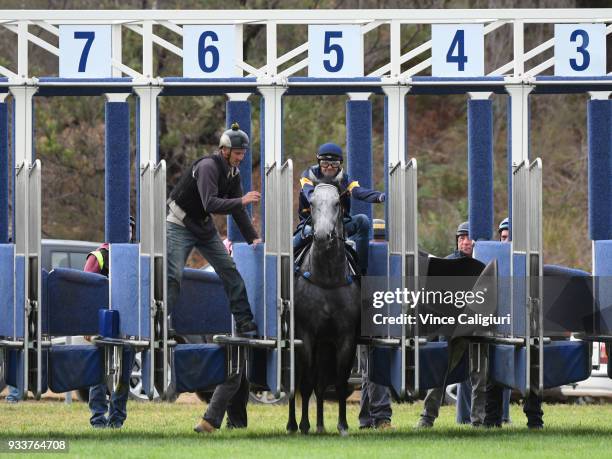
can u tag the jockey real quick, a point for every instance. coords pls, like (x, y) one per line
(329, 167)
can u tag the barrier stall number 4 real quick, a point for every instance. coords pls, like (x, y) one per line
(457, 50)
(85, 51)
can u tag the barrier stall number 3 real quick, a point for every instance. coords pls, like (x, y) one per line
(580, 49)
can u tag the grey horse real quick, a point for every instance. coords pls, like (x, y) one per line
(327, 313)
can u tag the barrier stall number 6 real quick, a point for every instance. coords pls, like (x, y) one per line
(209, 51)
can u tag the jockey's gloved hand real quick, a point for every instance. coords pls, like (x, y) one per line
(382, 198)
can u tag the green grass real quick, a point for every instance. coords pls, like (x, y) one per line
(165, 430)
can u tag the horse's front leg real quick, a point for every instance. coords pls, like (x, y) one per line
(292, 426)
(320, 423)
(306, 391)
(344, 359)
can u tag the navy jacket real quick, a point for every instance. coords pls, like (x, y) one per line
(312, 175)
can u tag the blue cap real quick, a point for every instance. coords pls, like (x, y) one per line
(330, 151)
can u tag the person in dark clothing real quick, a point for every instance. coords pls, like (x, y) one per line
(212, 185)
(98, 262)
(431, 405)
(329, 169)
(494, 408)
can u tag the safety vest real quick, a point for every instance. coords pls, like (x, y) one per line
(102, 256)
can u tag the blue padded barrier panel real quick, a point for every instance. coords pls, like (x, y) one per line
(486, 251)
(240, 112)
(202, 307)
(249, 262)
(198, 366)
(377, 261)
(359, 150)
(434, 364)
(124, 280)
(385, 362)
(480, 168)
(599, 124)
(145, 297)
(19, 296)
(566, 362)
(602, 264)
(73, 367)
(519, 290)
(270, 302)
(117, 176)
(271, 370)
(4, 173)
(508, 365)
(7, 286)
(44, 301)
(568, 301)
(73, 300)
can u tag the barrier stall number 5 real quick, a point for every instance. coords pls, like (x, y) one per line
(335, 51)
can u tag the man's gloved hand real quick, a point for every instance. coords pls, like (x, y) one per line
(382, 198)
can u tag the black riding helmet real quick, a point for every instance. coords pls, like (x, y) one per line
(462, 229)
(234, 138)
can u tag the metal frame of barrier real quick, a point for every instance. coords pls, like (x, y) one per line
(279, 248)
(272, 80)
(403, 237)
(527, 243)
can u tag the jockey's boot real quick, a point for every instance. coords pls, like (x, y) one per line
(246, 327)
(424, 423)
(204, 427)
(384, 425)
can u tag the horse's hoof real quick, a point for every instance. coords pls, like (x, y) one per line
(304, 431)
(320, 429)
(291, 429)
(343, 432)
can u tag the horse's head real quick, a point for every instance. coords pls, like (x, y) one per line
(326, 213)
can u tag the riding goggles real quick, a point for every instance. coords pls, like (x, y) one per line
(328, 163)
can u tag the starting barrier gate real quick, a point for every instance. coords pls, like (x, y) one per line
(35, 305)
